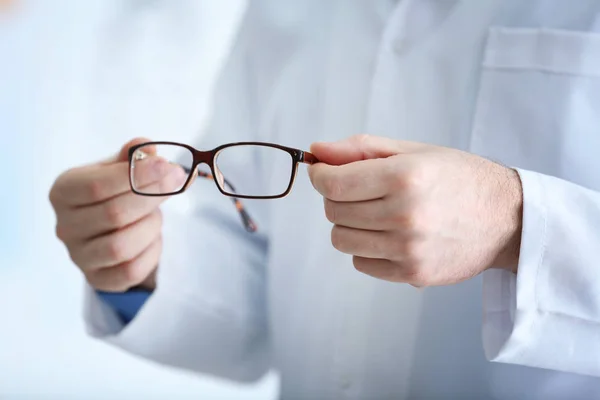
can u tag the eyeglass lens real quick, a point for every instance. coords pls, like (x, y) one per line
(157, 169)
(276, 163)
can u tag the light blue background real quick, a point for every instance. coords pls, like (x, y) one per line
(11, 146)
(9, 203)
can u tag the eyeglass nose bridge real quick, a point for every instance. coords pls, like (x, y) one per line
(208, 157)
(203, 157)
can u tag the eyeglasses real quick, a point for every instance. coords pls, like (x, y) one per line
(150, 160)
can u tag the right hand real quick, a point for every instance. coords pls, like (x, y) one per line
(112, 234)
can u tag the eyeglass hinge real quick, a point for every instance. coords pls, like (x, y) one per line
(300, 155)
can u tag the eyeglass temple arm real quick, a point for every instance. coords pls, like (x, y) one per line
(307, 158)
(246, 219)
(304, 157)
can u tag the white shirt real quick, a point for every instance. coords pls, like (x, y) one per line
(516, 81)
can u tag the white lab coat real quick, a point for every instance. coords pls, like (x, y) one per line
(517, 81)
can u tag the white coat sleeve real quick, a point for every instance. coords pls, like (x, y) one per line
(548, 315)
(208, 312)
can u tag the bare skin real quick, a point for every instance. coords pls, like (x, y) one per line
(416, 213)
(112, 234)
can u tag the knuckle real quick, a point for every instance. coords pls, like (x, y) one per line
(413, 252)
(405, 221)
(332, 187)
(412, 272)
(133, 273)
(62, 232)
(116, 249)
(391, 247)
(416, 270)
(415, 178)
(359, 264)
(421, 278)
(400, 180)
(406, 180)
(55, 194)
(114, 215)
(394, 274)
(408, 252)
(393, 251)
(413, 181)
(330, 211)
(336, 238)
(95, 190)
(361, 138)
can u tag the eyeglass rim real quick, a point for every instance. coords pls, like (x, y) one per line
(208, 157)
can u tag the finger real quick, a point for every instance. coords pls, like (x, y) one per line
(94, 184)
(124, 153)
(129, 274)
(123, 210)
(143, 173)
(118, 247)
(85, 223)
(359, 181)
(384, 269)
(393, 271)
(373, 215)
(358, 242)
(61, 192)
(360, 147)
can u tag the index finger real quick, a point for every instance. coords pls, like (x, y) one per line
(357, 181)
(98, 183)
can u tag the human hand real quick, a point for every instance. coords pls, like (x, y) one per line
(112, 234)
(417, 213)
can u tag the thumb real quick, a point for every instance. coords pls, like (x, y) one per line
(357, 148)
(123, 154)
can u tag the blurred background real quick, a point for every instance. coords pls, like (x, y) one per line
(77, 80)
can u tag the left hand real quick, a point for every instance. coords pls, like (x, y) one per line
(417, 213)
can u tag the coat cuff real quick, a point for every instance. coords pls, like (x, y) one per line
(509, 299)
(520, 324)
(126, 304)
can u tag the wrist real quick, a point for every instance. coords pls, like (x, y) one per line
(510, 207)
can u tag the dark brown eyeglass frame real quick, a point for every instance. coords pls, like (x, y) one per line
(208, 157)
